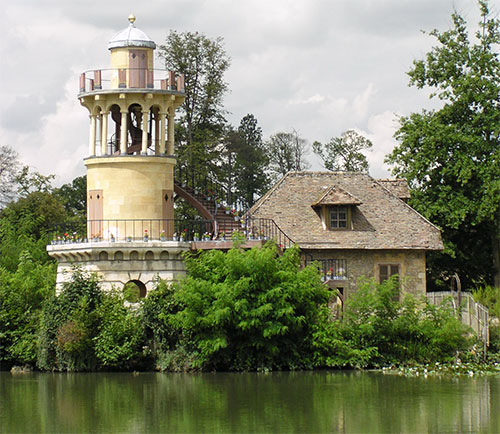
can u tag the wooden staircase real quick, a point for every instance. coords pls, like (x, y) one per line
(223, 219)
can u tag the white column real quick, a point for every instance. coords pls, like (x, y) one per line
(157, 133)
(92, 135)
(104, 133)
(170, 142)
(98, 135)
(162, 133)
(123, 133)
(145, 126)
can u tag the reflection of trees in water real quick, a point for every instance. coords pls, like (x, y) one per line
(276, 402)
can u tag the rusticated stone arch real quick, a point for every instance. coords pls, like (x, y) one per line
(103, 256)
(164, 256)
(134, 255)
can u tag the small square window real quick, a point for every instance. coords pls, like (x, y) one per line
(385, 271)
(338, 217)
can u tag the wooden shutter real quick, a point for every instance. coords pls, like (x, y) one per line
(137, 64)
(94, 213)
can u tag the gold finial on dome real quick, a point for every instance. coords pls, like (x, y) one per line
(131, 18)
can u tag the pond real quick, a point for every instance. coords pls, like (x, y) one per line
(325, 401)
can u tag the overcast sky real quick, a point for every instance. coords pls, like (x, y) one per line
(317, 66)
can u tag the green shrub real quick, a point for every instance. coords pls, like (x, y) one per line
(243, 310)
(488, 296)
(159, 309)
(378, 330)
(69, 323)
(120, 339)
(22, 293)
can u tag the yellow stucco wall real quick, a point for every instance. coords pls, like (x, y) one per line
(132, 186)
(120, 60)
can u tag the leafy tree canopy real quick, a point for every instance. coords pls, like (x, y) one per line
(9, 167)
(203, 62)
(451, 155)
(286, 152)
(344, 152)
(246, 161)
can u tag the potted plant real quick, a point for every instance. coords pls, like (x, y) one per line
(146, 235)
(129, 239)
(196, 236)
(183, 235)
(222, 236)
(175, 237)
(206, 236)
(111, 238)
(163, 236)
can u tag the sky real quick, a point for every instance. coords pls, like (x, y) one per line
(319, 67)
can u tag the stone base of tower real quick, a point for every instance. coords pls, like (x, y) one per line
(117, 263)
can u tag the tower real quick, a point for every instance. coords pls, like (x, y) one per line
(130, 168)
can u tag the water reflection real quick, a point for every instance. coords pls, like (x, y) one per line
(222, 402)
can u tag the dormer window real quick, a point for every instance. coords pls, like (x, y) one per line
(334, 207)
(338, 217)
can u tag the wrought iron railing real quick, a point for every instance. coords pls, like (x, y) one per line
(130, 78)
(134, 230)
(265, 229)
(330, 269)
(121, 230)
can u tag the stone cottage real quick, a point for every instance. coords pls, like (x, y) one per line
(354, 226)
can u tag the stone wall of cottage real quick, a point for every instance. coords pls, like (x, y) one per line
(365, 263)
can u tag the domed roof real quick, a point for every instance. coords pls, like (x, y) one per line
(131, 37)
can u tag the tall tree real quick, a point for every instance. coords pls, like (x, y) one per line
(203, 62)
(246, 161)
(9, 167)
(451, 156)
(286, 152)
(344, 152)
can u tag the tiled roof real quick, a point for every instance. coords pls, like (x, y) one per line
(398, 187)
(336, 196)
(380, 221)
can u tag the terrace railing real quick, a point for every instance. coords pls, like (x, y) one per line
(134, 230)
(330, 269)
(267, 229)
(130, 78)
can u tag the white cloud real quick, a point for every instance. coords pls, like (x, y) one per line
(319, 66)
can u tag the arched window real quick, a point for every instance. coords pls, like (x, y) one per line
(134, 290)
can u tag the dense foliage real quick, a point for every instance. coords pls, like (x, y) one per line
(22, 293)
(244, 310)
(379, 330)
(488, 296)
(344, 153)
(84, 328)
(450, 155)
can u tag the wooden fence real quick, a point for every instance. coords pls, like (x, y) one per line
(473, 314)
